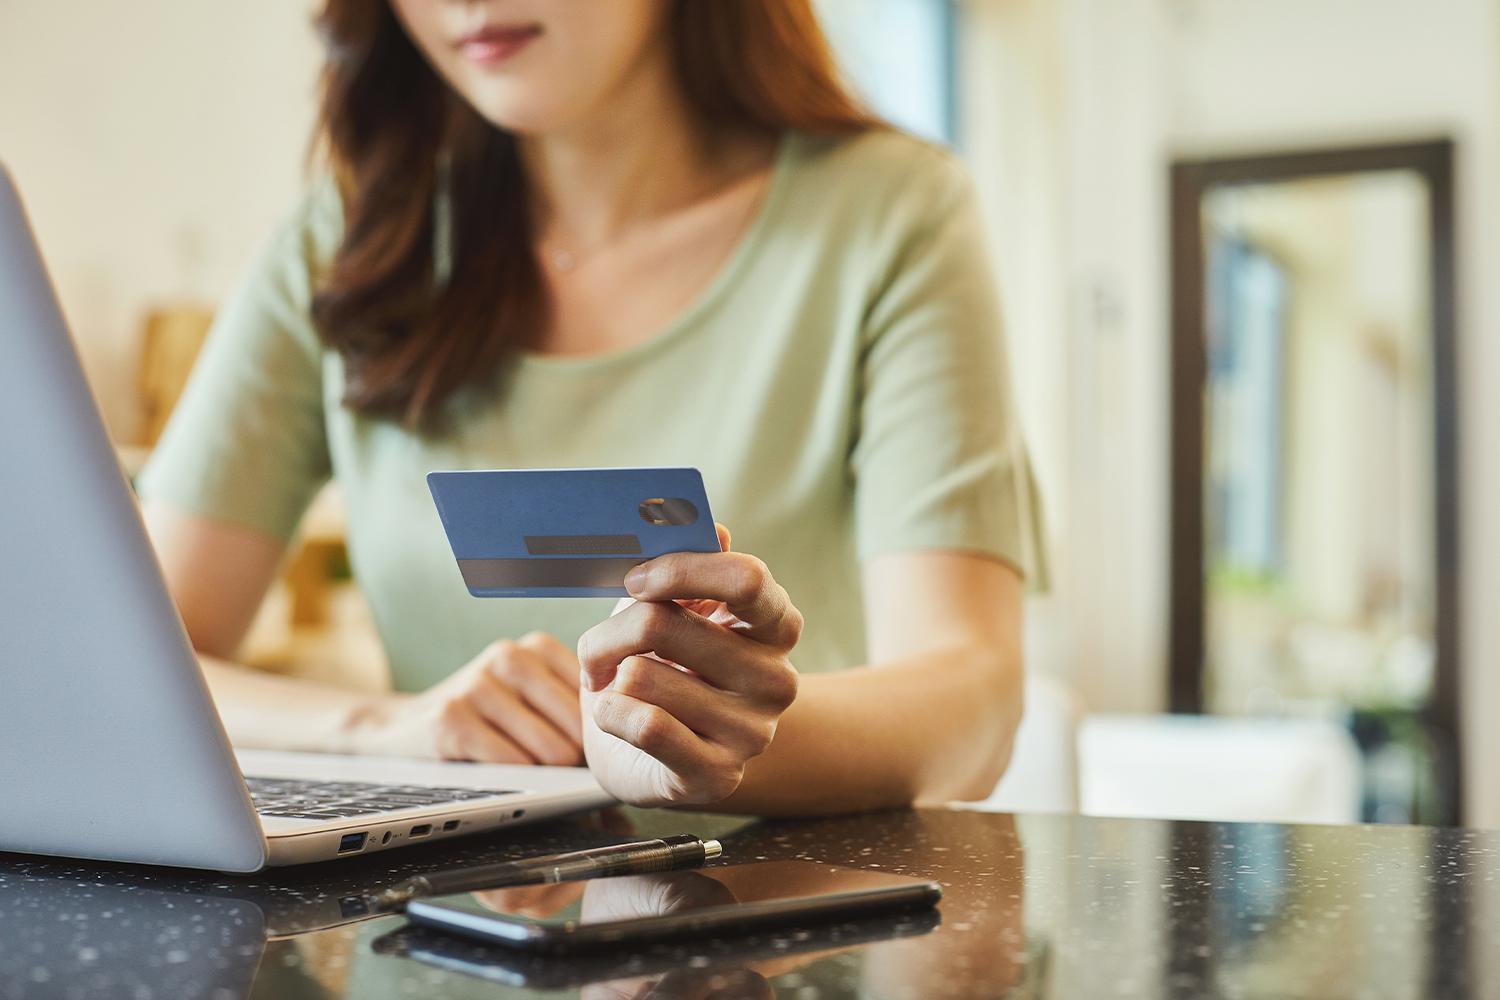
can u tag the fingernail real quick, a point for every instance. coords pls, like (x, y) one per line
(635, 580)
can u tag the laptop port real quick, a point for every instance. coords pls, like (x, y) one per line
(351, 842)
(450, 826)
(421, 830)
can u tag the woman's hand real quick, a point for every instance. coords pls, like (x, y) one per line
(683, 687)
(514, 703)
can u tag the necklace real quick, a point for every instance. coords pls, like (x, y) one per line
(562, 259)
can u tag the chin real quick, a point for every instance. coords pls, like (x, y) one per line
(525, 113)
(518, 122)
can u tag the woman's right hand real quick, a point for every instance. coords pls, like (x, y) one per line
(514, 703)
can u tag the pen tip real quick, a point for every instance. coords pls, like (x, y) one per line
(712, 849)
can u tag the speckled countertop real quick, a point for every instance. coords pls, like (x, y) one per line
(1035, 906)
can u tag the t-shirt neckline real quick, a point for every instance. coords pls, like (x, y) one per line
(728, 275)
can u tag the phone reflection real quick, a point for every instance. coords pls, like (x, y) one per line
(740, 964)
(623, 899)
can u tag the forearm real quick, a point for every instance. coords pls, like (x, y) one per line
(936, 726)
(266, 711)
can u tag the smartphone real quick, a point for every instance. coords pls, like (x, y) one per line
(568, 532)
(546, 970)
(638, 909)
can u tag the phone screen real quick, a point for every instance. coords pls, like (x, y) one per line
(635, 907)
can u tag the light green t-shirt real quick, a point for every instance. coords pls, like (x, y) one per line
(841, 384)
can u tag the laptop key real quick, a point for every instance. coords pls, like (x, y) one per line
(299, 799)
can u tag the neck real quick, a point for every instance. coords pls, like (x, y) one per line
(641, 156)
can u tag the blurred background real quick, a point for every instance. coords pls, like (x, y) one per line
(1245, 251)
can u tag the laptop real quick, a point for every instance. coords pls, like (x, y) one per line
(110, 747)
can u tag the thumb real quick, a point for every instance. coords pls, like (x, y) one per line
(708, 608)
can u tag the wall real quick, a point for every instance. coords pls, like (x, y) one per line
(1073, 223)
(1142, 81)
(155, 143)
(1012, 128)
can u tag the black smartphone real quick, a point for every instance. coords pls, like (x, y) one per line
(574, 969)
(631, 909)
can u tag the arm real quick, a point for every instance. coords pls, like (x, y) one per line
(516, 702)
(934, 715)
(244, 454)
(934, 719)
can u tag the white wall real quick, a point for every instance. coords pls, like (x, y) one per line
(1011, 130)
(1073, 224)
(155, 143)
(1144, 80)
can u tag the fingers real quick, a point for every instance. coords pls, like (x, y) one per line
(504, 710)
(709, 774)
(465, 735)
(613, 820)
(528, 672)
(742, 582)
(674, 633)
(684, 735)
(708, 712)
(558, 657)
(648, 728)
(530, 900)
(739, 984)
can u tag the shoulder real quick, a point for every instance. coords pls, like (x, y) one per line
(883, 168)
(884, 153)
(292, 257)
(270, 308)
(871, 201)
(309, 235)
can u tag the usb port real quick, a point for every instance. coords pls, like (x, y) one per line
(421, 830)
(450, 826)
(351, 842)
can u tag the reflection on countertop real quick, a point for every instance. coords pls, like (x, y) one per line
(1036, 906)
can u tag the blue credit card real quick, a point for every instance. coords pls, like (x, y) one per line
(568, 532)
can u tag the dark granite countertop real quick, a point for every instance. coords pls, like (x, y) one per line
(1035, 906)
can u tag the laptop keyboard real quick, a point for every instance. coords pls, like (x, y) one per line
(299, 798)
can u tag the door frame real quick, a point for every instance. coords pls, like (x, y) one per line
(1191, 179)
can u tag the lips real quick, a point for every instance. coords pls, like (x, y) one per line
(496, 43)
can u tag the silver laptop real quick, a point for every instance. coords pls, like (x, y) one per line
(110, 747)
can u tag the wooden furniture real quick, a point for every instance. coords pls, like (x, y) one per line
(171, 339)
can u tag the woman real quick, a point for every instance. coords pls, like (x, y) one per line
(642, 232)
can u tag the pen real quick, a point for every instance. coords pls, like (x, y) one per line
(684, 851)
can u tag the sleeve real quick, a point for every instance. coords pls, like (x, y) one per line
(246, 443)
(938, 460)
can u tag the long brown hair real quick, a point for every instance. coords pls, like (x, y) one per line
(397, 137)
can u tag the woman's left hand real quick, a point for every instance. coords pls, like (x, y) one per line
(682, 731)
